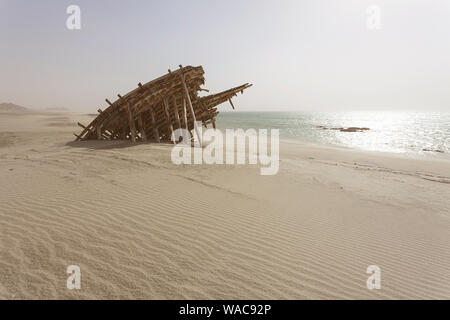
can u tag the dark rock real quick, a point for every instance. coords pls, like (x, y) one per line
(349, 129)
(430, 150)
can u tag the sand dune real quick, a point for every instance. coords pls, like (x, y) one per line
(11, 108)
(140, 227)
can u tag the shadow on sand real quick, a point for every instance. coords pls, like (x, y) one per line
(112, 144)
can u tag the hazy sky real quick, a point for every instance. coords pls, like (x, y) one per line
(299, 54)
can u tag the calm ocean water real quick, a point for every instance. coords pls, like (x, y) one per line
(399, 132)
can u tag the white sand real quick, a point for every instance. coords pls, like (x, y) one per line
(140, 227)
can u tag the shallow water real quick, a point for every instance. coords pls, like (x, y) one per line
(399, 132)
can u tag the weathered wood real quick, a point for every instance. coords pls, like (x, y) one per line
(231, 102)
(188, 98)
(122, 117)
(131, 123)
(142, 128)
(177, 116)
(169, 123)
(155, 128)
(185, 114)
(99, 132)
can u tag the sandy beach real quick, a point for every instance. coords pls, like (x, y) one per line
(141, 227)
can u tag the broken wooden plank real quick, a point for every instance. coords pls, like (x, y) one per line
(231, 102)
(80, 125)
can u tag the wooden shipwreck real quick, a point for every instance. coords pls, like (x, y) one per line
(155, 109)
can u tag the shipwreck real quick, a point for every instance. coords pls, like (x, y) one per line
(153, 110)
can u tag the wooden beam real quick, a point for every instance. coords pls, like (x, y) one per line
(155, 128)
(122, 134)
(80, 125)
(109, 102)
(185, 114)
(177, 116)
(231, 102)
(186, 93)
(99, 132)
(131, 122)
(169, 123)
(141, 128)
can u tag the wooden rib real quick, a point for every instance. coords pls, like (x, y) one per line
(185, 114)
(99, 132)
(231, 102)
(155, 128)
(131, 123)
(177, 116)
(169, 123)
(186, 92)
(142, 128)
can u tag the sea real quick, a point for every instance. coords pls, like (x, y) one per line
(409, 133)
